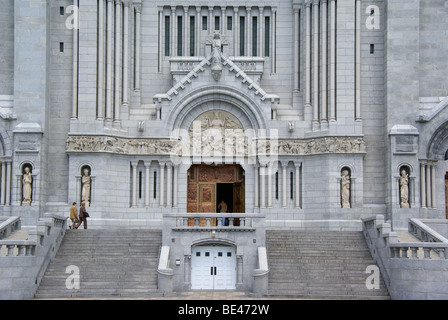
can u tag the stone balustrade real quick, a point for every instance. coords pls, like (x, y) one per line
(9, 226)
(411, 270)
(19, 248)
(208, 221)
(423, 232)
(23, 262)
(401, 250)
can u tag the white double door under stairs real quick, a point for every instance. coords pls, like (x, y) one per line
(213, 268)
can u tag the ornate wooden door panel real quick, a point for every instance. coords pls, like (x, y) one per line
(202, 188)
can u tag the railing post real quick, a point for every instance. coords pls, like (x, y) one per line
(427, 253)
(414, 252)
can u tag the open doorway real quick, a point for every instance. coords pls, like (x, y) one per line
(224, 192)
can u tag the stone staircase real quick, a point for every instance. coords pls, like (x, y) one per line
(112, 263)
(320, 265)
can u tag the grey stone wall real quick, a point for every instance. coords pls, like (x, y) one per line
(7, 48)
(433, 36)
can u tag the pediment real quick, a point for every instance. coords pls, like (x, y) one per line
(217, 68)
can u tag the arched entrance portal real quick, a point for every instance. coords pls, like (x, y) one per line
(208, 185)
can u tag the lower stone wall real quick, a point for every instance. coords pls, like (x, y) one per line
(414, 279)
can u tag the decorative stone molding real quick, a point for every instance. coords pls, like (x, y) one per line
(322, 145)
(154, 146)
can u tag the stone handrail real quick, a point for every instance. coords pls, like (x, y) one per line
(163, 267)
(8, 226)
(24, 247)
(26, 260)
(263, 267)
(400, 250)
(423, 232)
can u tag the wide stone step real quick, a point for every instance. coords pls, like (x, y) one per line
(112, 263)
(319, 264)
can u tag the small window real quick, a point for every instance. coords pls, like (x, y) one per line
(198, 254)
(229, 23)
(61, 46)
(61, 11)
(229, 254)
(217, 23)
(372, 48)
(155, 185)
(291, 185)
(276, 185)
(204, 23)
(219, 254)
(167, 36)
(140, 184)
(207, 254)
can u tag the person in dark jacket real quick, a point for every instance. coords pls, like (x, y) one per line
(82, 216)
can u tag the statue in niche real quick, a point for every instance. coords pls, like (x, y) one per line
(27, 186)
(404, 189)
(345, 188)
(216, 64)
(85, 186)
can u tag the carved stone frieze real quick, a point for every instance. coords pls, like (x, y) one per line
(148, 146)
(120, 145)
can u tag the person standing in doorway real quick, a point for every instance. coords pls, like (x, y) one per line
(82, 216)
(73, 215)
(222, 207)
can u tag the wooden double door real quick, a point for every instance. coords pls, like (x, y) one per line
(209, 185)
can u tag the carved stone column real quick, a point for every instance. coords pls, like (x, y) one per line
(169, 189)
(137, 64)
(100, 78)
(332, 99)
(428, 187)
(75, 61)
(235, 31)
(3, 185)
(185, 49)
(422, 185)
(270, 184)
(198, 31)
(162, 184)
(324, 115)
(210, 18)
(256, 186)
(249, 32)
(134, 165)
(308, 53)
(263, 184)
(316, 61)
(358, 61)
(296, 48)
(260, 37)
(173, 31)
(126, 4)
(147, 182)
(297, 174)
(433, 186)
(109, 80)
(118, 18)
(284, 192)
(175, 185)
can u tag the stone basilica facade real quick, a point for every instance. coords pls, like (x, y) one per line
(295, 113)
